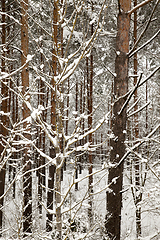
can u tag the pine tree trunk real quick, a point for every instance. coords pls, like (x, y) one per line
(67, 112)
(90, 102)
(81, 123)
(12, 108)
(59, 150)
(53, 117)
(3, 130)
(27, 181)
(58, 200)
(76, 159)
(114, 197)
(41, 143)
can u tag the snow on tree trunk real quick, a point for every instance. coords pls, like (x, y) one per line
(27, 181)
(137, 196)
(3, 130)
(114, 197)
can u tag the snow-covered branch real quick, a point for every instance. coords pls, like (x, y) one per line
(138, 6)
(145, 44)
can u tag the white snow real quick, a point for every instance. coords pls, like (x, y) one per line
(29, 57)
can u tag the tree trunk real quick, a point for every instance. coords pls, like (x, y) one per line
(41, 142)
(67, 112)
(59, 150)
(3, 130)
(53, 116)
(58, 200)
(114, 197)
(137, 162)
(76, 158)
(81, 123)
(90, 102)
(27, 181)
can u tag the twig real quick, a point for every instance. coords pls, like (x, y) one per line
(145, 44)
(145, 29)
(130, 95)
(137, 145)
(151, 75)
(129, 109)
(138, 110)
(138, 6)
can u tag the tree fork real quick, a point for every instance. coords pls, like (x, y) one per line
(114, 197)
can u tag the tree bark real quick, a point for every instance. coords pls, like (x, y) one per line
(27, 181)
(41, 142)
(76, 158)
(137, 162)
(114, 197)
(90, 103)
(58, 201)
(53, 116)
(3, 129)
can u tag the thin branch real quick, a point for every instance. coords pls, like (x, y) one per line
(145, 29)
(11, 17)
(138, 6)
(131, 107)
(138, 110)
(6, 75)
(146, 43)
(113, 74)
(3, 160)
(137, 145)
(130, 95)
(151, 75)
(50, 160)
(11, 184)
(153, 172)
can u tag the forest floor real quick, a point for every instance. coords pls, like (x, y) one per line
(150, 211)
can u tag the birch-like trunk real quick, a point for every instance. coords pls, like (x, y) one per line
(137, 161)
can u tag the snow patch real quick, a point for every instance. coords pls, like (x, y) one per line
(29, 57)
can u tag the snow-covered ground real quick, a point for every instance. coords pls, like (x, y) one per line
(78, 201)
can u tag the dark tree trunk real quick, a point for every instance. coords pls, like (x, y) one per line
(27, 181)
(114, 197)
(81, 123)
(52, 170)
(67, 112)
(3, 130)
(41, 143)
(76, 161)
(90, 103)
(50, 197)
(53, 119)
